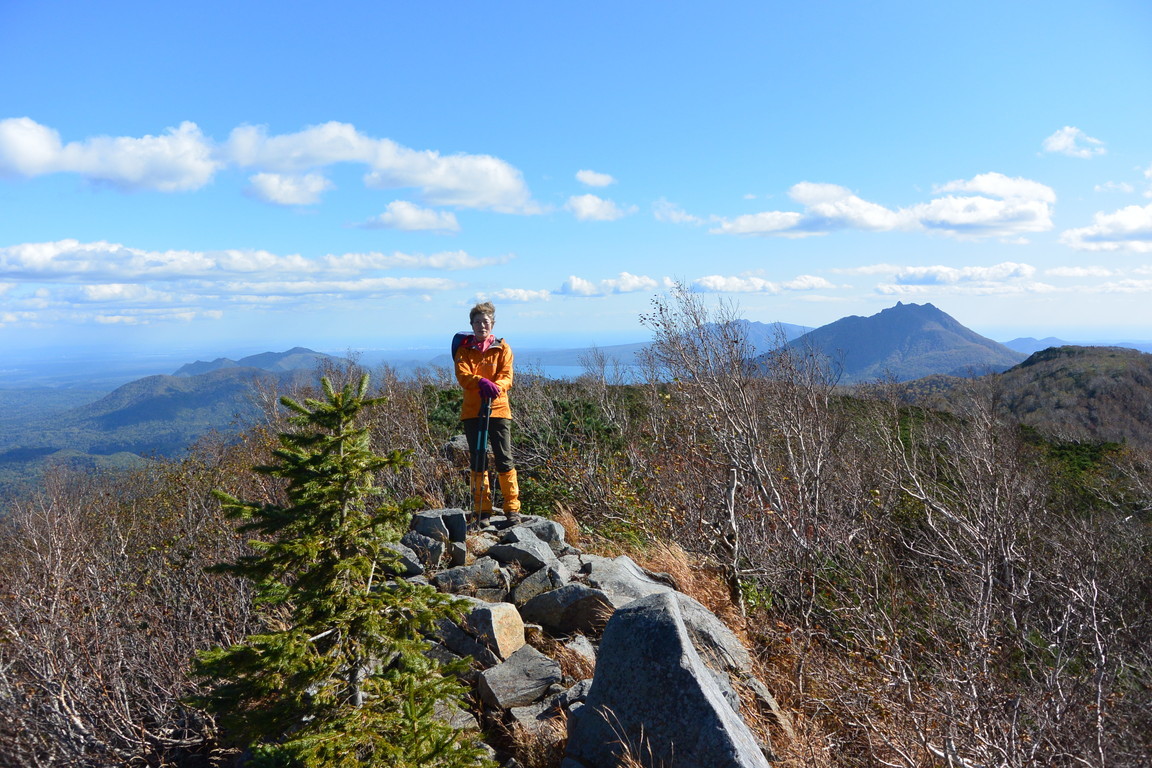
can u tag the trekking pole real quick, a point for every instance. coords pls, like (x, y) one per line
(480, 459)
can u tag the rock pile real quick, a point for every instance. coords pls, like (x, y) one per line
(668, 675)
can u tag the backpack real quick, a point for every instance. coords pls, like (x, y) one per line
(458, 341)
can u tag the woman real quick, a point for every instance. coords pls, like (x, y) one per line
(484, 370)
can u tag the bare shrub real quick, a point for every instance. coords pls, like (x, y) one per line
(105, 599)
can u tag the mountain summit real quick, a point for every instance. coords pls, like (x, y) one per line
(294, 359)
(907, 341)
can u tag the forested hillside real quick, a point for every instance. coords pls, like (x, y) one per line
(918, 587)
(1076, 394)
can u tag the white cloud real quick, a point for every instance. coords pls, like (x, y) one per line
(1079, 272)
(282, 189)
(410, 217)
(1128, 229)
(463, 180)
(1000, 206)
(868, 269)
(973, 217)
(753, 284)
(1124, 286)
(518, 295)
(967, 289)
(999, 185)
(314, 147)
(628, 283)
(594, 179)
(119, 292)
(1115, 186)
(1073, 142)
(667, 211)
(183, 159)
(829, 206)
(941, 275)
(593, 208)
(70, 261)
(449, 260)
(807, 283)
(1022, 206)
(785, 223)
(179, 160)
(724, 284)
(578, 286)
(373, 285)
(625, 282)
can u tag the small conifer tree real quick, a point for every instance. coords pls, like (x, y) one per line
(338, 677)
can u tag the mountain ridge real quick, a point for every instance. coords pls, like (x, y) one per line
(906, 342)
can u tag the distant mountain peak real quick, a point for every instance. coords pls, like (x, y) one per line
(293, 359)
(907, 341)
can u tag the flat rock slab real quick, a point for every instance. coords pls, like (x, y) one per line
(523, 679)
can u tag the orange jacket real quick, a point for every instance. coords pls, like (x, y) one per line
(494, 364)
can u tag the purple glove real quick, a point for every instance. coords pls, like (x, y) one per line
(488, 390)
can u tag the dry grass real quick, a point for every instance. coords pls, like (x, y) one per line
(563, 515)
(539, 746)
(573, 665)
(695, 578)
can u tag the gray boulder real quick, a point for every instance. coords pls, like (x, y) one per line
(548, 531)
(496, 625)
(717, 645)
(622, 580)
(543, 580)
(575, 695)
(460, 643)
(521, 680)
(540, 720)
(431, 526)
(407, 563)
(460, 719)
(456, 450)
(457, 553)
(582, 646)
(522, 546)
(484, 574)
(430, 550)
(572, 609)
(647, 654)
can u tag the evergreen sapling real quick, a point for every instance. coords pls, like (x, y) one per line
(338, 677)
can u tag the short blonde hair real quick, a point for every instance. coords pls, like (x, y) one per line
(483, 308)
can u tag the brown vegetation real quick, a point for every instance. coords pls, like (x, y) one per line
(919, 588)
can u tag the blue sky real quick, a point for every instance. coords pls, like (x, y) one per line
(256, 175)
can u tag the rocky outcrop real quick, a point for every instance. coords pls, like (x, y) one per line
(647, 654)
(541, 614)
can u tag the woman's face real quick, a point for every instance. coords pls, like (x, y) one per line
(482, 325)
